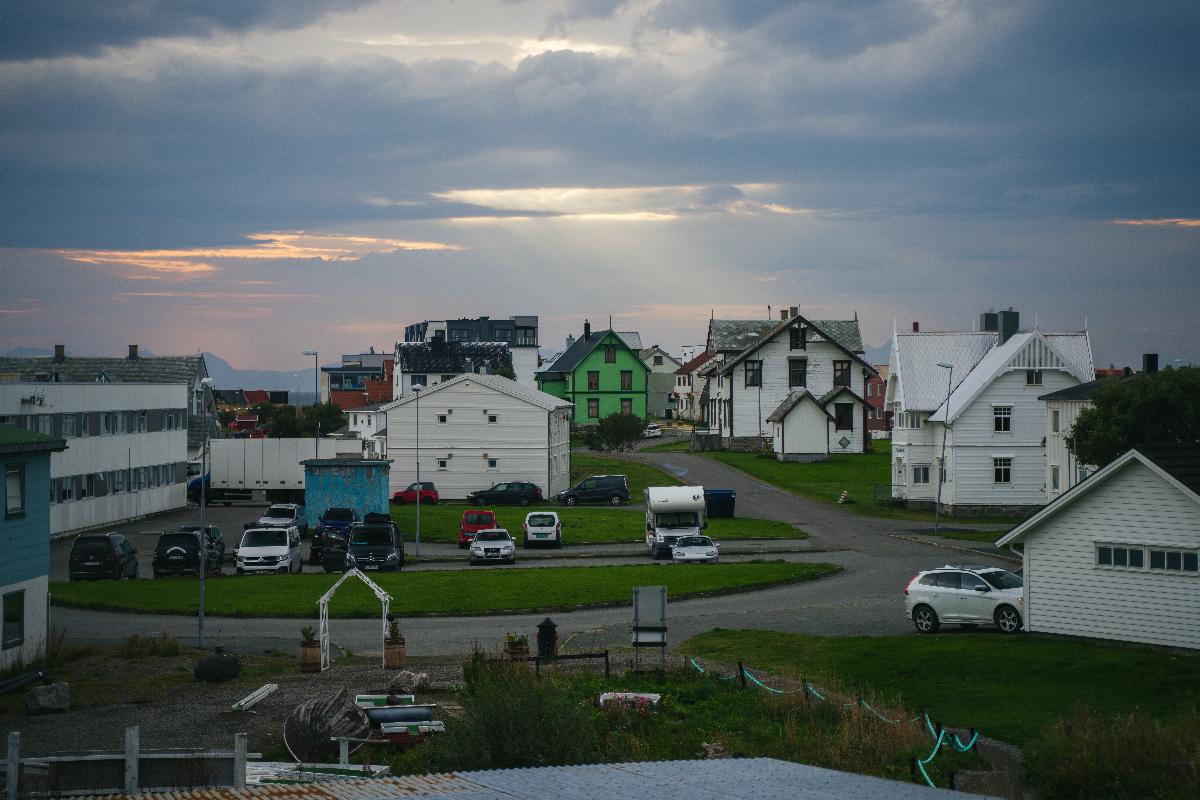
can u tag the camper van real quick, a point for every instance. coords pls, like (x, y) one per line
(672, 512)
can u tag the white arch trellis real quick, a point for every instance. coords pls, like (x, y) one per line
(385, 600)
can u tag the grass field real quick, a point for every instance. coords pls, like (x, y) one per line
(581, 525)
(481, 591)
(1010, 688)
(640, 475)
(678, 446)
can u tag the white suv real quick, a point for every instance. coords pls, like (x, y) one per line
(967, 596)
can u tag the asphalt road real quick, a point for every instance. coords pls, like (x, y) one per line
(864, 599)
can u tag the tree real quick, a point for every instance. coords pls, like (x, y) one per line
(616, 432)
(1159, 408)
(505, 372)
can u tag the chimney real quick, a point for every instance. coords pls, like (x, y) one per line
(1149, 363)
(570, 340)
(1010, 322)
(793, 312)
(133, 352)
(916, 327)
(587, 329)
(989, 321)
(60, 352)
(783, 315)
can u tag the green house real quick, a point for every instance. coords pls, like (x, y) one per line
(600, 374)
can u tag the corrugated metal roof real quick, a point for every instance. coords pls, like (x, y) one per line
(87, 369)
(631, 338)
(916, 355)
(511, 388)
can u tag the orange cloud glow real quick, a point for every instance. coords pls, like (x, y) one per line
(1173, 222)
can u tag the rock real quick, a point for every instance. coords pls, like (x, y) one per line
(48, 699)
(407, 682)
(218, 666)
(713, 750)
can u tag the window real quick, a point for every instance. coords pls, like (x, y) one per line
(1120, 556)
(14, 490)
(1054, 421)
(1081, 474)
(417, 380)
(593, 379)
(441, 418)
(841, 373)
(1033, 377)
(141, 421)
(970, 583)
(594, 408)
(658, 361)
(493, 463)
(843, 416)
(68, 424)
(626, 405)
(797, 372)
(1002, 419)
(1002, 470)
(14, 619)
(493, 419)
(443, 463)
(921, 474)
(798, 338)
(1174, 560)
(610, 355)
(753, 373)
(1054, 477)
(446, 377)
(626, 380)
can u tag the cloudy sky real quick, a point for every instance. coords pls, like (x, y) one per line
(256, 179)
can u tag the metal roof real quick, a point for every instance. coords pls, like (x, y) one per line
(1084, 390)
(631, 338)
(791, 401)
(503, 385)
(449, 357)
(88, 369)
(915, 358)
(579, 350)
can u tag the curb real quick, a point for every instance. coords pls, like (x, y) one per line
(967, 550)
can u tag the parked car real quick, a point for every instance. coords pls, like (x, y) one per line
(285, 514)
(517, 492)
(474, 520)
(611, 489)
(542, 527)
(375, 545)
(101, 555)
(424, 490)
(269, 550)
(968, 596)
(695, 550)
(178, 553)
(334, 522)
(215, 539)
(652, 431)
(493, 544)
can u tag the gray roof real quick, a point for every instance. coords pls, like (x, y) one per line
(578, 351)
(1082, 391)
(791, 401)
(738, 334)
(509, 387)
(449, 357)
(88, 369)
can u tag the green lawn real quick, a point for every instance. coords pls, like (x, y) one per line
(1010, 688)
(640, 475)
(478, 591)
(581, 525)
(679, 446)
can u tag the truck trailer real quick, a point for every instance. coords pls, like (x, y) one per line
(672, 512)
(259, 470)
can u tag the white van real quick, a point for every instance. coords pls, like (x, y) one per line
(269, 550)
(672, 512)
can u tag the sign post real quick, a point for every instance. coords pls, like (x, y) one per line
(650, 622)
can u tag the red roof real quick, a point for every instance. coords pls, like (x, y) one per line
(694, 364)
(256, 396)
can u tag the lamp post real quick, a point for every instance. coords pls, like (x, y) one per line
(316, 401)
(417, 391)
(204, 479)
(937, 508)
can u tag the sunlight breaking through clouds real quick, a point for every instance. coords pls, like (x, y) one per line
(1166, 222)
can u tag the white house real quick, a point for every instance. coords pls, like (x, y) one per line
(369, 423)
(127, 447)
(993, 421)
(477, 430)
(689, 388)
(1117, 556)
(761, 387)
(660, 381)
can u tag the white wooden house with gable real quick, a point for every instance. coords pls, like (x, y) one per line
(986, 403)
(799, 388)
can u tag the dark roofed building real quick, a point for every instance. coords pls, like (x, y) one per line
(437, 360)
(600, 374)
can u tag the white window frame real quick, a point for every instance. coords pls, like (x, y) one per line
(1055, 477)
(1033, 377)
(493, 464)
(917, 470)
(443, 464)
(1055, 420)
(997, 466)
(1002, 419)
(14, 487)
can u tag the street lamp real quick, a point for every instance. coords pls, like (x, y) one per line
(316, 401)
(206, 383)
(417, 391)
(937, 508)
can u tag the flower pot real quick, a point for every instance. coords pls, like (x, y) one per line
(516, 651)
(394, 653)
(310, 656)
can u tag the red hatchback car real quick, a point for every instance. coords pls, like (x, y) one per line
(473, 520)
(424, 490)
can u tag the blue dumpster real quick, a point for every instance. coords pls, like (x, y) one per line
(719, 502)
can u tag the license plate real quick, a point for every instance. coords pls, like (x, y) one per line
(370, 566)
(176, 558)
(541, 535)
(92, 563)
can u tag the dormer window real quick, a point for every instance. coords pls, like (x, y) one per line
(798, 337)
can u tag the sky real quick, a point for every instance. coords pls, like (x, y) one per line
(259, 179)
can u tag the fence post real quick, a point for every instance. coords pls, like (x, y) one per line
(606, 663)
(742, 674)
(239, 761)
(13, 774)
(804, 688)
(131, 759)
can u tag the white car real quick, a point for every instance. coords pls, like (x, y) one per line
(542, 527)
(269, 550)
(282, 514)
(966, 596)
(652, 432)
(493, 544)
(695, 550)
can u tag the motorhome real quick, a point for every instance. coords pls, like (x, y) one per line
(672, 512)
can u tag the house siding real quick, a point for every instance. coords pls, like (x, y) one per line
(802, 434)
(27, 537)
(609, 394)
(1065, 593)
(1058, 453)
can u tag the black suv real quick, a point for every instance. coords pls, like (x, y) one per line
(520, 493)
(178, 553)
(215, 540)
(611, 489)
(102, 555)
(373, 544)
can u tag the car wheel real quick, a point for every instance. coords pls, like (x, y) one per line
(615, 500)
(524, 501)
(572, 501)
(558, 542)
(925, 619)
(1008, 619)
(427, 501)
(397, 501)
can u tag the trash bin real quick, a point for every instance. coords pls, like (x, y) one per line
(719, 502)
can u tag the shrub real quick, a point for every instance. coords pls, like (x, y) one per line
(218, 666)
(138, 646)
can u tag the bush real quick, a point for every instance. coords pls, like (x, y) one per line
(218, 666)
(616, 432)
(138, 646)
(1130, 756)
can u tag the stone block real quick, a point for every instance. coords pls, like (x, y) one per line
(48, 699)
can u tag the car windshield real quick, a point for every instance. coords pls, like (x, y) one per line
(339, 515)
(695, 541)
(265, 538)
(480, 518)
(169, 540)
(370, 536)
(677, 519)
(1002, 579)
(542, 520)
(91, 547)
(492, 536)
(280, 512)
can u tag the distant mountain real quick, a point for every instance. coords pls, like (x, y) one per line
(226, 377)
(46, 351)
(880, 354)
